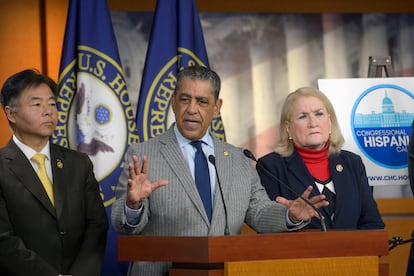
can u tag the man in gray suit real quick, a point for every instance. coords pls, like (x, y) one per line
(176, 208)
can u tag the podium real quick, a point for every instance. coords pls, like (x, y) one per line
(354, 252)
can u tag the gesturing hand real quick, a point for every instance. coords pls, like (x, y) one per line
(139, 186)
(299, 210)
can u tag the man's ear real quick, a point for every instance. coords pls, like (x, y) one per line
(9, 114)
(217, 107)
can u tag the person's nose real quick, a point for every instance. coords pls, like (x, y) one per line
(312, 121)
(192, 107)
(48, 109)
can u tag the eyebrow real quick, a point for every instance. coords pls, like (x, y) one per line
(184, 94)
(40, 98)
(316, 110)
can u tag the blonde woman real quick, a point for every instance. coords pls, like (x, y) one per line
(310, 153)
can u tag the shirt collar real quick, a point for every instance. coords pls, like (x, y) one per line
(28, 151)
(182, 141)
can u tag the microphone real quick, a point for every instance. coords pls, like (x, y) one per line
(396, 241)
(250, 155)
(212, 160)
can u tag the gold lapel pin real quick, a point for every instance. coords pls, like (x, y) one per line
(339, 168)
(226, 153)
(59, 164)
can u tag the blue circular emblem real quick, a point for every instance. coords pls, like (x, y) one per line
(95, 114)
(381, 120)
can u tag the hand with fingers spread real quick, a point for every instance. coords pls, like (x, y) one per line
(139, 186)
(299, 210)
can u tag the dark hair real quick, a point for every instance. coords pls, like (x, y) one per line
(198, 72)
(17, 83)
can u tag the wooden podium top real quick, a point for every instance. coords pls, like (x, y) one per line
(303, 244)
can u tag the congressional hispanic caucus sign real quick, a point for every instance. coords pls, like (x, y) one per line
(375, 116)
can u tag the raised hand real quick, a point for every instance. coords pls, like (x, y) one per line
(139, 186)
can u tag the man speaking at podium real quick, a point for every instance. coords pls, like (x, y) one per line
(170, 188)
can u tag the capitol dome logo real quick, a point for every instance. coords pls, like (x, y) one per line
(381, 124)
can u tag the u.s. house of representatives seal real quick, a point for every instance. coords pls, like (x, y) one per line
(95, 114)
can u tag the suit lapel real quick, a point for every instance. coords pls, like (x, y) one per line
(224, 169)
(59, 178)
(25, 173)
(172, 154)
(340, 177)
(300, 173)
(223, 165)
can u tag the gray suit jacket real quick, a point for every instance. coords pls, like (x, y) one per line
(177, 209)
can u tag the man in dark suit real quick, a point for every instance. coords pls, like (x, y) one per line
(173, 205)
(52, 218)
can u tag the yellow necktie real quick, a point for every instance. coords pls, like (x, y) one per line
(39, 158)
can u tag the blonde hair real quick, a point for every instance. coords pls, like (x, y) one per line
(336, 139)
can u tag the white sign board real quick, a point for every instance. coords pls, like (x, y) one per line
(375, 116)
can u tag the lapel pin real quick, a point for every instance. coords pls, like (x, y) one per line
(226, 153)
(59, 164)
(339, 168)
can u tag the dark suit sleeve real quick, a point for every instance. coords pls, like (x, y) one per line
(411, 158)
(91, 252)
(410, 263)
(265, 169)
(370, 217)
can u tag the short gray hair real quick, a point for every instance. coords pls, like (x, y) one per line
(198, 72)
